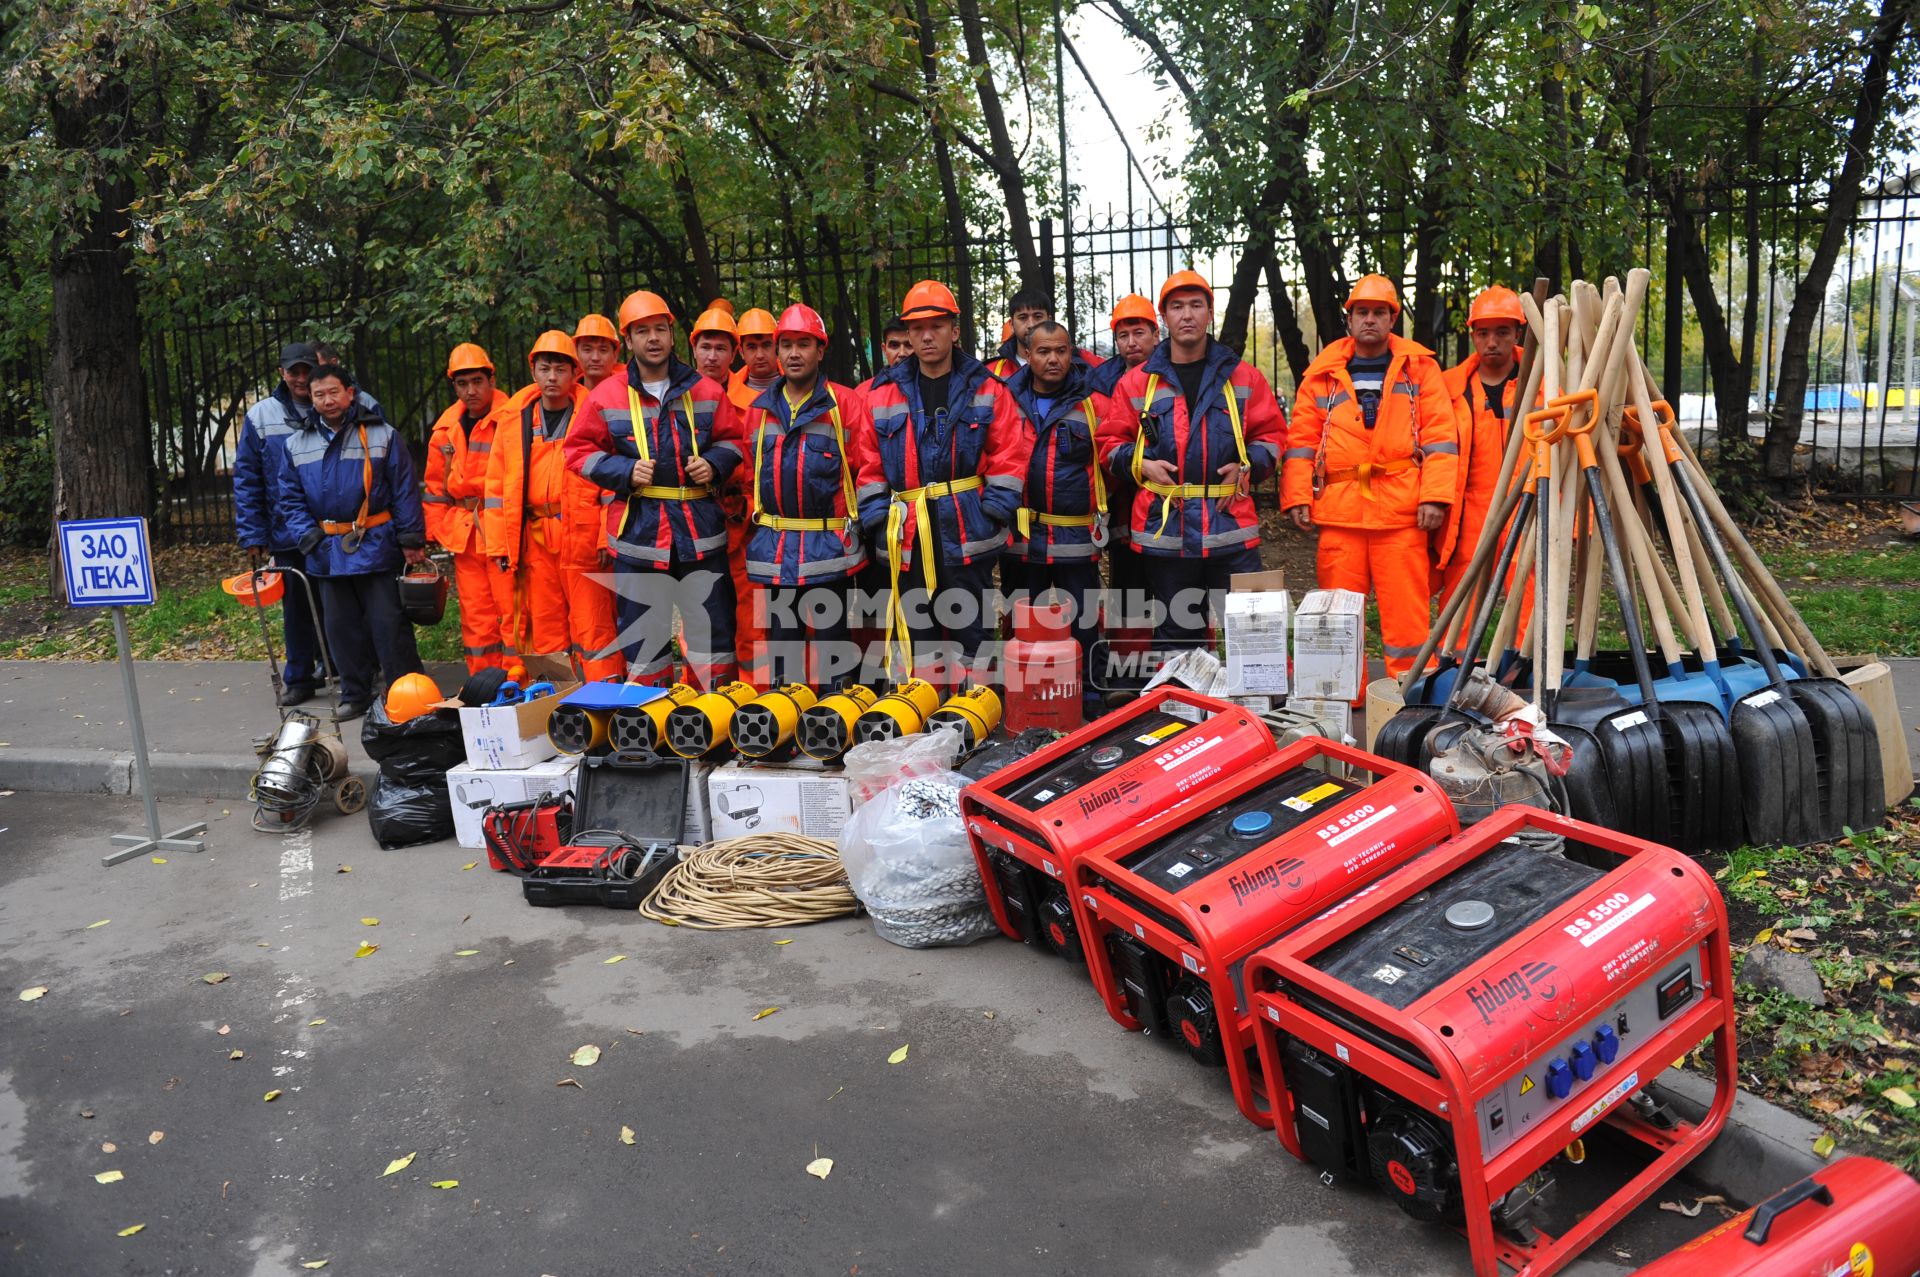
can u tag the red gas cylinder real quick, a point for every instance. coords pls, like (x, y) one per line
(1042, 669)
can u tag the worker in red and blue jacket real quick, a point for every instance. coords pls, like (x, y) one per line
(663, 439)
(1059, 532)
(1027, 307)
(939, 491)
(344, 490)
(1135, 326)
(805, 439)
(1197, 427)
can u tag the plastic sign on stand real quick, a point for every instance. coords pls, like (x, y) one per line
(107, 563)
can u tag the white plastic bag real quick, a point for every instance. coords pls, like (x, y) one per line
(905, 852)
(873, 766)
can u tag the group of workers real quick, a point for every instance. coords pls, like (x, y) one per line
(758, 518)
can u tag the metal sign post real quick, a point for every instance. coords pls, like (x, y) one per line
(107, 564)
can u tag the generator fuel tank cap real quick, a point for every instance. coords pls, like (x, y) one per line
(1469, 915)
(1106, 756)
(1251, 824)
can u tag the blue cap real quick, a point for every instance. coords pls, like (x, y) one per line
(1251, 824)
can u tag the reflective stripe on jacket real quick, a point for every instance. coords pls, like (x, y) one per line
(539, 501)
(696, 420)
(800, 468)
(1195, 526)
(1483, 441)
(322, 477)
(1371, 479)
(1061, 469)
(456, 476)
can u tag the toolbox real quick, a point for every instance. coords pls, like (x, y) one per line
(628, 812)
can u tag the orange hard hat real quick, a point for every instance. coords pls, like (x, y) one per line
(1497, 305)
(929, 299)
(721, 304)
(553, 342)
(1374, 288)
(1132, 306)
(755, 323)
(596, 326)
(1184, 279)
(801, 321)
(715, 320)
(411, 696)
(467, 357)
(643, 305)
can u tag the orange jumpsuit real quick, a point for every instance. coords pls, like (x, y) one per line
(748, 635)
(1365, 485)
(1483, 442)
(545, 523)
(455, 483)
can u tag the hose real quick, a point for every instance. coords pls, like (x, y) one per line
(761, 880)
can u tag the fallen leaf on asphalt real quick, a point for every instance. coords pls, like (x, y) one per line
(129, 1230)
(399, 1164)
(786, 941)
(108, 1177)
(1899, 1096)
(567, 1081)
(626, 1135)
(224, 1029)
(109, 1147)
(236, 1055)
(271, 1096)
(471, 864)
(898, 1057)
(158, 860)
(764, 1013)
(366, 951)
(34, 994)
(369, 922)
(314, 1024)
(587, 1056)
(87, 1113)
(216, 977)
(618, 957)
(317, 1263)
(820, 1167)
(91, 925)
(446, 1183)
(464, 953)
(344, 869)
(1823, 1147)
(1689, 1211)
(986, 1015)
(507, 963)
(156, 1137)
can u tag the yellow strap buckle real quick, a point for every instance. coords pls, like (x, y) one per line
(915, 499)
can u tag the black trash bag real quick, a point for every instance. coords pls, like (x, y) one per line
(408, 813)
(419, 749)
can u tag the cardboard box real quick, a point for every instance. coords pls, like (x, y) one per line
(1334, 717)
(509, 737)
(472, 790)
(1255, 618)
(752, 798)
(1329, 645)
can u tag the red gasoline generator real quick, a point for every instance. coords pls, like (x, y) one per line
(1450, 1033)
(1029, 821)
(1857, 1216)
(1172, 910)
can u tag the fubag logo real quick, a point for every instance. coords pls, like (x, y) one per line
(1288, 874)
(1091, 803)
(1523, 984)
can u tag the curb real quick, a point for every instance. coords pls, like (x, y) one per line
(99, 771)
(1761, 1150)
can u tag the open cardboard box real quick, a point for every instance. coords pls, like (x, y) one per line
(503, 737)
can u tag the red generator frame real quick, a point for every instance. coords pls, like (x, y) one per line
(1028, 822)
(1173, 908)
(1450, 1034)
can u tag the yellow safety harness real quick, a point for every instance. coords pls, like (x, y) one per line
(1167, 492)
(915, 499)
(646, 451)
(1025, 517)
(362, 521)
(781, 523)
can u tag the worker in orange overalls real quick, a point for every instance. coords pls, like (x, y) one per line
(455, 483)
(545, 525)
(1372, 462)
(1483, 387)
(597, 344)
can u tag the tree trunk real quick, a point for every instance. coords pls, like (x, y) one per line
(949, 183)
(1429, 297)
(1730, 376)
(699, 250)
(1006, 163)
(1548, 252)
(1843, 200)
(1284, 318)
(96, 393)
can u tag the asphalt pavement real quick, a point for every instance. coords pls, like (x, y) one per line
(1023, 1133)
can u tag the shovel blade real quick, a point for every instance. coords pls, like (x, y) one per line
(1403, 737)
(1852, 786)
(1589, 787)
(1703, 780)
(1634, 746)
(1779, 769)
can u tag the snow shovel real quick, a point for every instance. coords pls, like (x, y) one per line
(1675, 778)
(1809, 750)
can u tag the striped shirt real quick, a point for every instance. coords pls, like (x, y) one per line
(1369, 374)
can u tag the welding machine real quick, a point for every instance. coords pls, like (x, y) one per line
(1028, 821)
(1171, 910)
(1450, 1032)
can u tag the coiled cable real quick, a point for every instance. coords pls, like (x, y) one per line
(761, 880)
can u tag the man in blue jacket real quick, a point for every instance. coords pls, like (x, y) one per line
(344, 493)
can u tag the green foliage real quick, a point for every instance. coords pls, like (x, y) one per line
(26, 490)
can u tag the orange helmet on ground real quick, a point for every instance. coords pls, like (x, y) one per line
(715, 320)
(1132, 306)
(722, 305)
(801, 321)
(467, 357)
(1184, 279)
(929, 299)
(1377, 289)
(596, 326)
(411, 696)
(1497, 305)
(755, 323)
(643, 305)
(553, 342)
